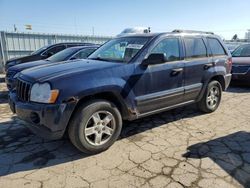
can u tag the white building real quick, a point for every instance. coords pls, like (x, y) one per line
(247, 35)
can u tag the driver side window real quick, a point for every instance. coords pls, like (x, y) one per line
(170, 47)
(54, 50)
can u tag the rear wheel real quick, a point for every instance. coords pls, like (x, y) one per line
(211, 98)
(95, 126)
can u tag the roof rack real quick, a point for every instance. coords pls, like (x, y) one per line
(191, 31)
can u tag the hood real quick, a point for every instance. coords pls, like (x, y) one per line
(241, 60)
(55, 70)
(23, 66)
(22, 59)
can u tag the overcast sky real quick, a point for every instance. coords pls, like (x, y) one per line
(110, 17)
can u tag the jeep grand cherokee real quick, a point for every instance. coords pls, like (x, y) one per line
(127, 78)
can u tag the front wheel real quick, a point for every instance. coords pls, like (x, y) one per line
(95, 126)
(211, 98)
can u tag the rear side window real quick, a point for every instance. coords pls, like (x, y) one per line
(216, 47)
(54, 50)
(170, 47)
(195, 48)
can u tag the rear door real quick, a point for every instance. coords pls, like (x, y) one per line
(196, 60)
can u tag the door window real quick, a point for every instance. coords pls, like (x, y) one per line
(170, 47)
(195, 48)
(54, 50)
(216, 47)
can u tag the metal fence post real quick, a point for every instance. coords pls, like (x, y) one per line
(3, 49)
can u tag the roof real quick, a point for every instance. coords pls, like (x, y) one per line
(175, 32)
(82, 47)
(82, 43)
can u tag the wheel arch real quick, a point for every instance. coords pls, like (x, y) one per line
(110, 96)
(218, 77)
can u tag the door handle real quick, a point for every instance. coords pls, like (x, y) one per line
(176, 71)
(208, 65)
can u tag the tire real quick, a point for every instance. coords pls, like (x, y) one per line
(211, 100)
(92, 122)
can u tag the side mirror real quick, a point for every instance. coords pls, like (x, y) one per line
(154, 59)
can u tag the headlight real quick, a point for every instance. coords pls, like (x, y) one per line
(42, 93)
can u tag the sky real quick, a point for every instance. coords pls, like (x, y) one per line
(110, 17)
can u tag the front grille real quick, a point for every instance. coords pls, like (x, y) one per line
(23, 90)
(240, 69)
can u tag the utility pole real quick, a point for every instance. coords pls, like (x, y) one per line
(93, 31)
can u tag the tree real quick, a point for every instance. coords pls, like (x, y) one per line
(235, 37)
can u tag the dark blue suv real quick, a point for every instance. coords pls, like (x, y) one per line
(127, 78)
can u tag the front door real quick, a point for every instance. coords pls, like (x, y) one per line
(161, 85)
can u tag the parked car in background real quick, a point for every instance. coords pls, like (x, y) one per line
(125, 79)
(134, 30)
(232, 47)
(241, 64)
(78, 52)
(43, 53)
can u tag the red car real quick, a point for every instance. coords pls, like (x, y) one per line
(241, 64)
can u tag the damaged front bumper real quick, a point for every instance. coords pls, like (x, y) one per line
(46, 120)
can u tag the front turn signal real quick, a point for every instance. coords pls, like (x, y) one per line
(53, 95)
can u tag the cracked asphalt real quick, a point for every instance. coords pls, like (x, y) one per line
(178, 148)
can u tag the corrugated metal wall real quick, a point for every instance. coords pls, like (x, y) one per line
(15, 44)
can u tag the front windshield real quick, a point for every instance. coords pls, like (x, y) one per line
(62, 55)
(39, 50)
(242, 51)
(120, 49)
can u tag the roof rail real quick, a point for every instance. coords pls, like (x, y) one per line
(191, 31)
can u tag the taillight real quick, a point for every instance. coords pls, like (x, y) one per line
(229, 64)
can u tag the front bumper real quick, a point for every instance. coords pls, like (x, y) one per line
(46, 120)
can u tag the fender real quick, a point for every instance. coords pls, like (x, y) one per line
(213, 72)
(114, 87)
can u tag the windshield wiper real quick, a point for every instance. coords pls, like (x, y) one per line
(99, 58)
(109, 60)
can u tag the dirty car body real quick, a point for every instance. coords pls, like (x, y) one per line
(139, 80)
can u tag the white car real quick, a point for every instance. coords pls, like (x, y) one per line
(134, 30)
